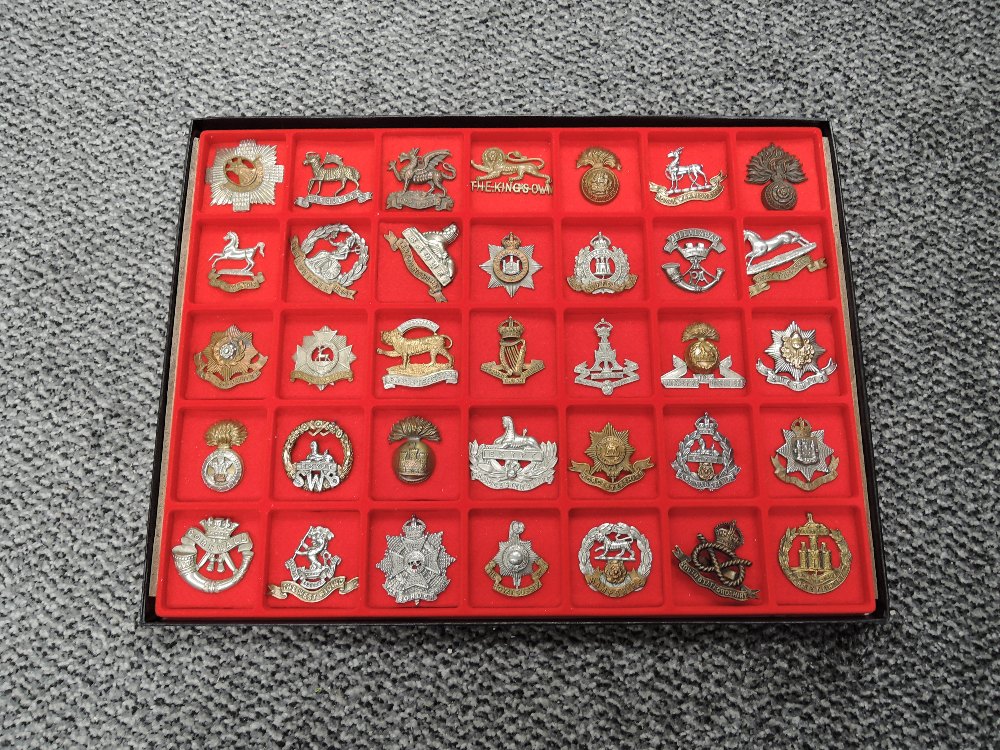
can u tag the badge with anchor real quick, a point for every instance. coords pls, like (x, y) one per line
(324, 268)
(695, 278)
(805, 453)
(245, 255)
(432, 249)
(512, 461)
(698, 187)
(626, 556)
(511, 369)
(230, 359)
(217, 546)
(244, 176)
(317, 472)
(601, 268)
(716, 451)
(516, 560)
(700, 361)
(415, 564)
(716, 566)
(798, 258)
(511, 265)
(223, 467)
(323, 358)
(606, 373)
(816, 572)
(316, 579)
(497, 163)
(795, 353)
(411, 169)
(778, 171)
(331, 169)
(611, 453)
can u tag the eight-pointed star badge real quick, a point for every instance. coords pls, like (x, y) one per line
(245, 175)
(611, 452)
(511, 265)
(805, 453)
(796, 353)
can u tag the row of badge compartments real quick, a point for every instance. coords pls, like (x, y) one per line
(643, 156)
(561, 340)
(387, 279)
(755, 434)
(473, 537)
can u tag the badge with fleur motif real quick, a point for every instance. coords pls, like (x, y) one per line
(229, 359)
(611, 452)
(243, 176)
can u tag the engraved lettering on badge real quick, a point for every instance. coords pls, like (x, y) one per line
(516, 560)
(418, 374)
(700, 361)
(601, 268)
(714, 565)
(513, 461)
(708, 454)
(217, 545)
(626, 556)
(432, 249)
(321, 255)
(688, 182)
(413, 170)
(232, 251)
(497, 163)
(796, 355)
(798, 258)
(230, 359)
(606, 373)
(330, 169)
(815, 570)
(695, 278)
(317, 578)
(317, 471)
(415, 564)
(611, 454)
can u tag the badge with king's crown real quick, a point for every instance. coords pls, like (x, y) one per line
(805, 453)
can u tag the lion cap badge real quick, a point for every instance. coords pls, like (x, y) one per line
(627, 558)
(698, 188)
(418, 374)
(497, 163)
(243, 176)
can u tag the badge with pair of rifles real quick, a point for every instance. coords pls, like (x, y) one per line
(611, 453)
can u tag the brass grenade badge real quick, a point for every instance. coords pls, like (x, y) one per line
(413, 459)
(599, 184)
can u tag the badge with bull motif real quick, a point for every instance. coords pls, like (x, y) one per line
(516, 560)
(316, 579)
(432, 249)
(244, 176)
(217, 546)
(815, 570)
(323, 358)
(795, 353)
(626, 556)
(706, 455)
(805, 453)
(330, 169)
(230, 359)
(324, 267)
(512, 461)
(611, 453)
(701, 361)
(418, 374)
(415, 564)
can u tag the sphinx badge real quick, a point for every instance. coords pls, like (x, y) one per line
(778, 171)
(244, 176)
(798, 258)
(715, 565)
(432, 249)
(317, 472)
(418, 374)
(796, 353)
(245, 255)
(430, 169)
(331, 169)
(611, 452)
(323, 358)
(699, 187)
(805, 453)
(815, 572)
(413, 459)
(223, 467)
(515, 167)
(701, 360)
(694, 278)
(511, 265)
(511, 369)
(229, 359)
(606, 373)
(599, 184)
(217, 545)
(694, 449)
(324, 268)
(601, 268)
(415, 564)
(499, 464)
(317, 579)
(516, 560)
(625, 553)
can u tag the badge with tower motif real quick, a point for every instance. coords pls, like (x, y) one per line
(313, 570)
(512, 461)
(213, 569)
(323, 358)
(606, 372)
(714, 565)
(414, 170)
(705, 464)
(688, 182)
(316, 471)
(223, 467)
(516, 560)
(413, 459)
(432, 249)
(795, 353)
(611, 453)
(330, 169)
(815, 571)
(415, 564)
(700, 362)
(694, 250)
(805, 453)
(230, 359)
(321, 256)
(511, 369)
(511, 265)
(601, 268)
(244, 176)
(615, 559)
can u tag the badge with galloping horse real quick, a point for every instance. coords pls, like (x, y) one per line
(232, 251)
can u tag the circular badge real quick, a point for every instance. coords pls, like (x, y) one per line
(625, 553)
(318, 471)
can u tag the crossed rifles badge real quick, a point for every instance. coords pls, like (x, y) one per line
(700, 361)
(627, 558)
(611, 452)
(798, 258)
(230, 359)
(244, 176)
(805, 453)
(816, 572)
(324, 268)
(323, 358)
(432, 249)
(317, 579)
(516, 560)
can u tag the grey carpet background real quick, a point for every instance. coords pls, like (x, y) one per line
(95, 98)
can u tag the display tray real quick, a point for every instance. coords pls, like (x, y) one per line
(713, 483)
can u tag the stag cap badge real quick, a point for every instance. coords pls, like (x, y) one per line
(796, 353)
(331, 169)
(323, 358)
(317, 472)
(317, 579)
(511, 369)
(499, 465)
(716, 566)
(699, 187)
(694, 278)
(418, 374)
(323, 268)
(805, 453)
(413, 459)
(777, 170)
(515, 167)
(217, 544)
(412, 169)
(245, 175)
(816, 572)
(230, 359)
(701, 360)
(223, 467)
(611, 452)
(415, 564)
(601, 268)
(624, 570)
(693, 449)
(599, 184)
(606, 373)
(516, 560)
(432, 249)
(798, 258)
(511, 265)
(232, 251)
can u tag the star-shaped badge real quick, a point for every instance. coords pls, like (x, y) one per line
(511, 265)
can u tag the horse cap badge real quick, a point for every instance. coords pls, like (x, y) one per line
(498, 464)
(601, 268)
(413, 459)
(323, 268)
(429, 169)
(805, 453)
(432, 249)
(230, 359)
(243, 176)
(606, 373)
(515, 560)
(233, 251)
(699, 187)
(316, 580)
(323, 358)
(418, 374)
(778, 171)
(317, 472)
(415, 564)
(624, 570)
(511, 265)
(715, 565)
(511, 369)
(331, 169)
(217, 544)
(796, 353)
(693, 449)
(599, 184)
(223, 467)
(798, 257)
(611, 453)
(515, 167)
(701, 360)
(695, 278)
(816, 572)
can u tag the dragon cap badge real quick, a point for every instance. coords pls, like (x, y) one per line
(411, 169)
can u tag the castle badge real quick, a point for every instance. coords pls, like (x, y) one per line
(511, 265)
(699, 187)
(432, 249)
(599, 184)
(413, 459)
(245, 255)
(514, 166)
(223, 467)
(244, 176)
(418, 374)
(606, 373)
(616, 545)
(601, 268)
(217, 544)
(798, 257)
(701, 359)
(715, 565)
(499, 465)
(516, 559)
(611, 452)
(331, 169)
(693, 449)
(511, 369)
(323, 358)
(415, 564)
(429, 169)
(324, 268)
(315, 581)
(795, 352)
(229, 359)
(317, 472)
(777, 170)
(816, 572)
(694, 278)
(805, 452)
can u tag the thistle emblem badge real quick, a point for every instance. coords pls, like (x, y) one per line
(611, 453)
(331, 169)
(511, 368)
(795, 352)
(601, 268)
(230, 359)
(516, 560)
(805, 453)
(699, 187)
(499, 465)
(323, 358)
(511, 265)
(317, 472)
(232, 251)
(223, 467)
(716, 566)
(700, 361)
(316, 580)
(415, 564)
(815, 572)
(324, 268)
(625, 553)
(217, 545)
(606, 373)
(778, 171)
(716, 451)
(243, 176)
(695, 278)
(599, 184)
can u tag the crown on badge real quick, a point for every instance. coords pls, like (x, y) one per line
(218, 528)
(511, 242)
(603, 328)
(414, 528)
(510, 329)
(706, 425)
(801, 428)
(728, 535)
(691, 251)
(601, 243)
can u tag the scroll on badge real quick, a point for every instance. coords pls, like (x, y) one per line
(415, 564)
(816, 571)
(796, 354)
(412, 170)
(714, 565)
(330, 169)
(798, 258)
(317, 579)
(232, 251)
(513, 461)
(217, 546)
(697, 188)
(418, 374)
(432, 249)
(626, 557)
(321, 255)
(700, 361)
(516, 560)
(317, 472)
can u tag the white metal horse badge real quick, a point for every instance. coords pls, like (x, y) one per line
(233, 251)
(316, 580)
(331, 169)
(498, 464)
(798, 258)
(324, 268)
(245, 175)
(699, 187)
